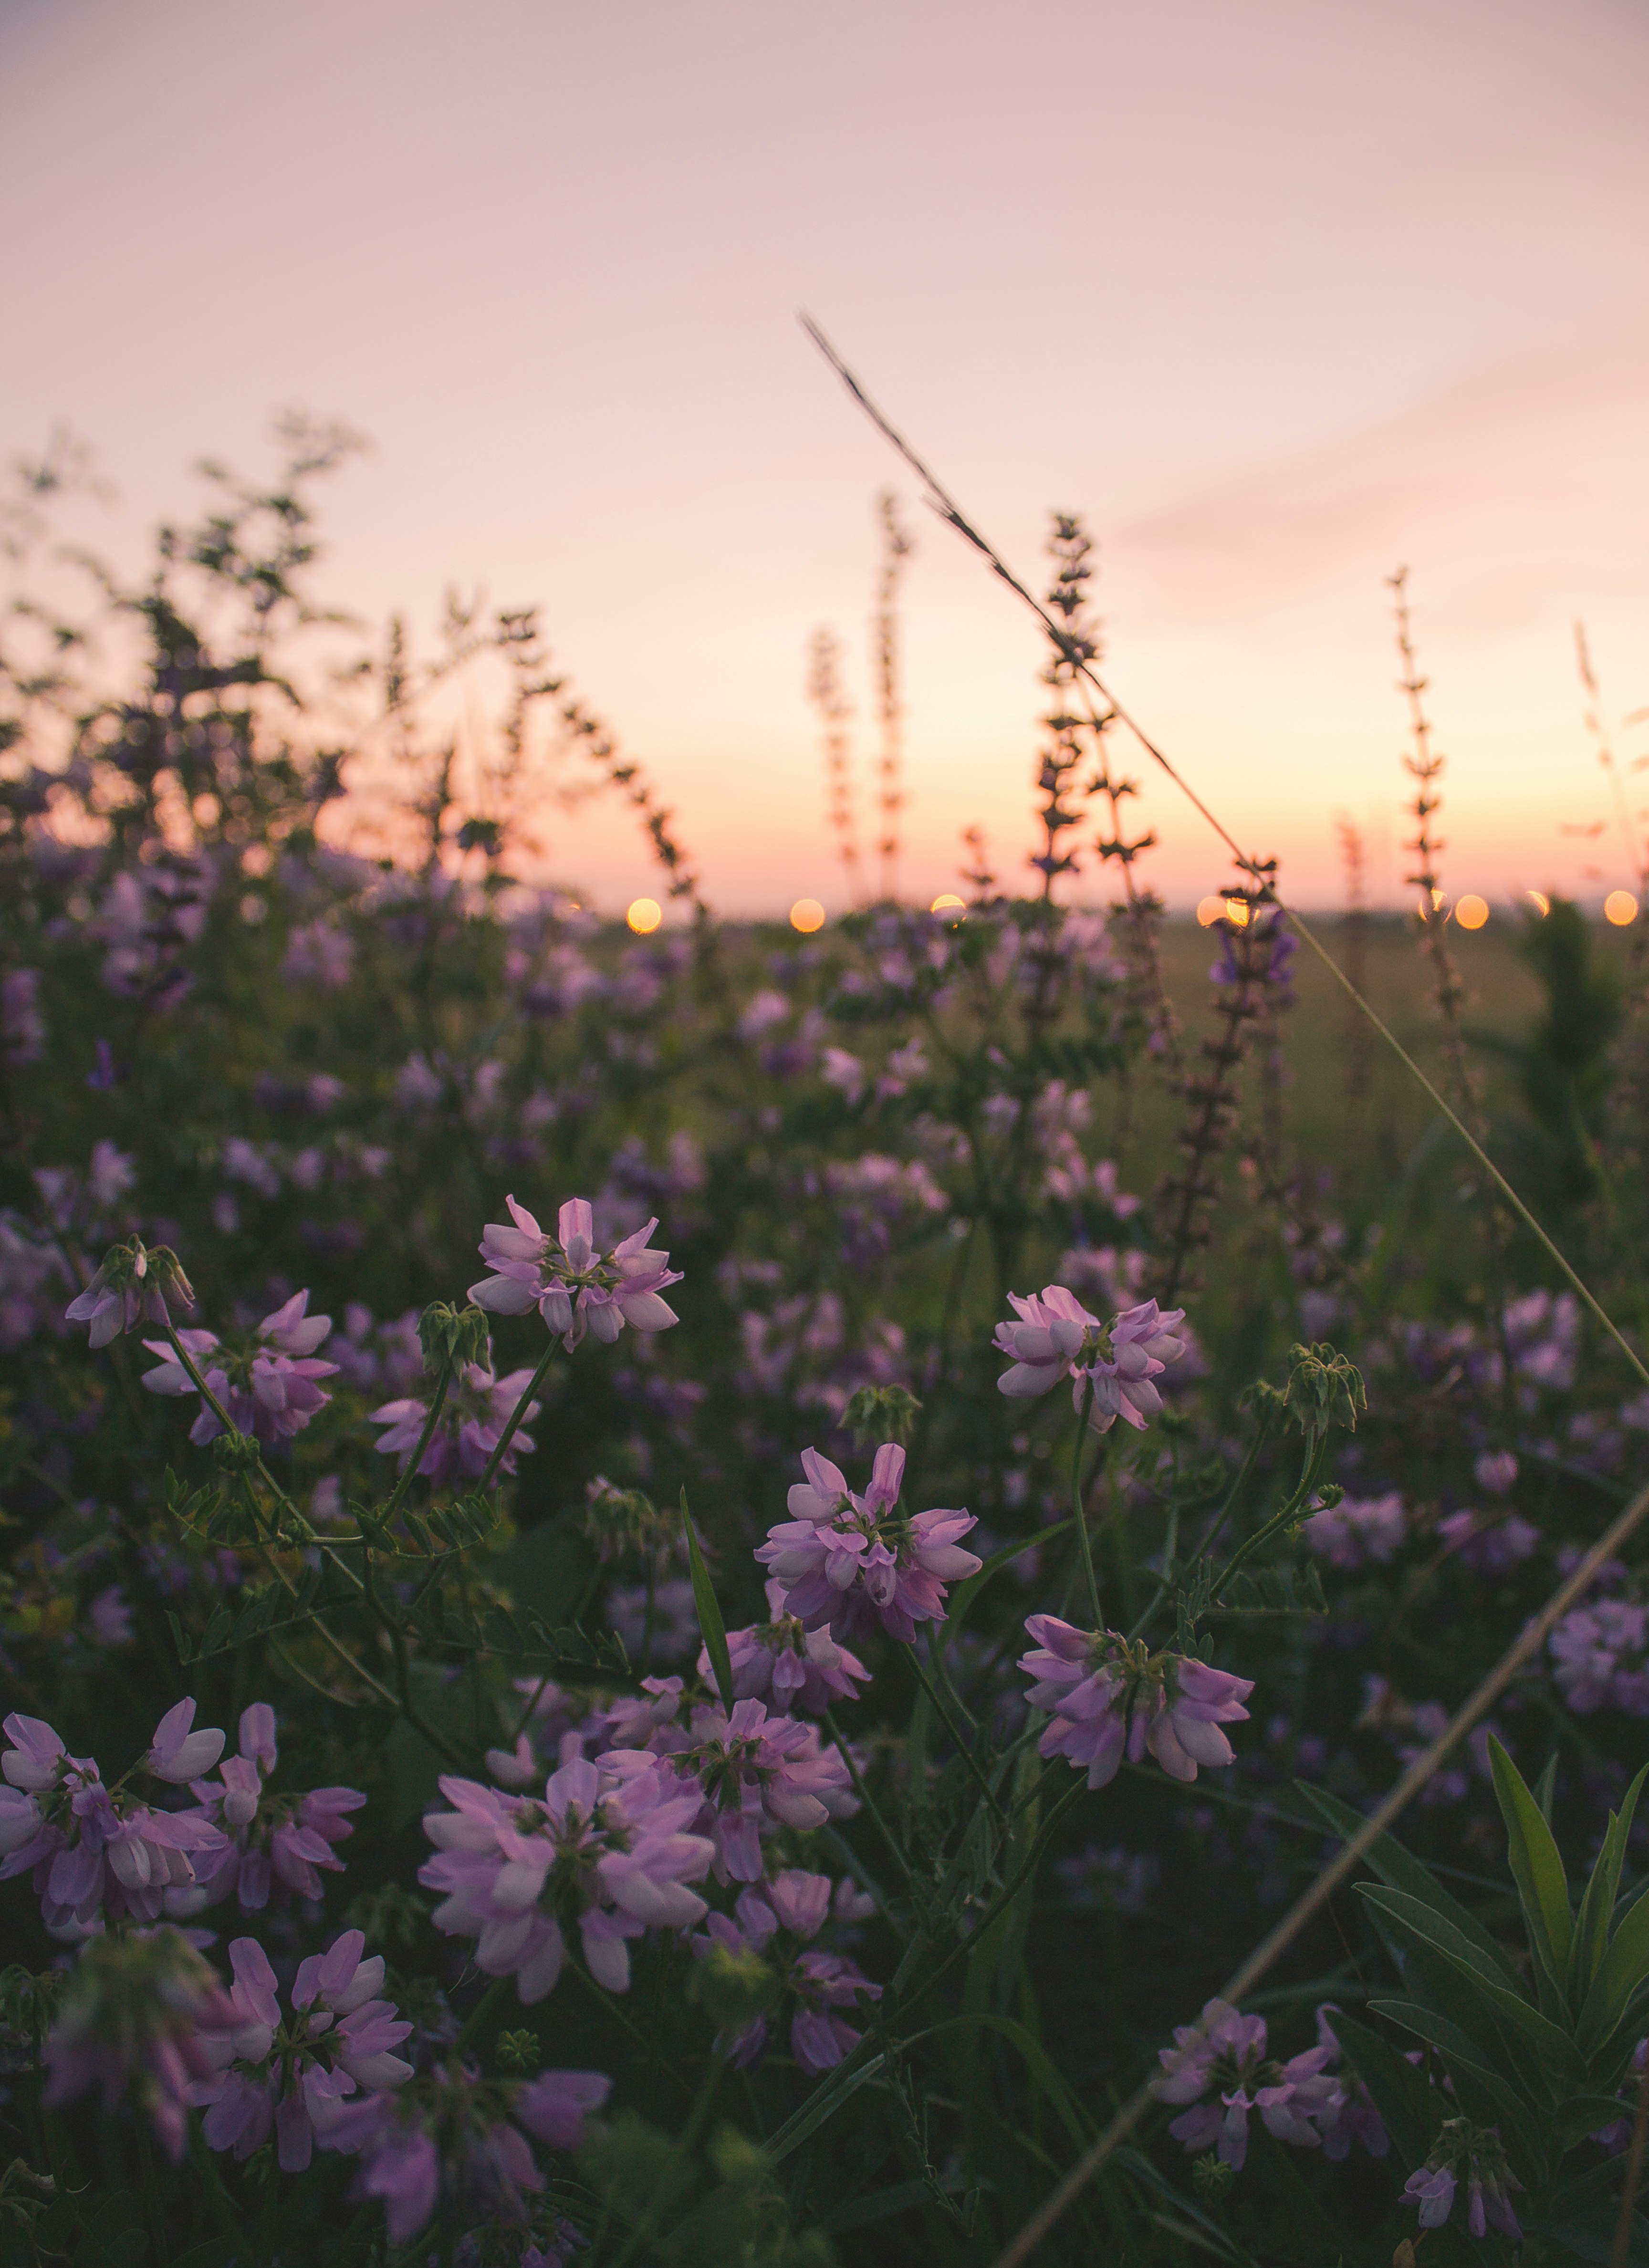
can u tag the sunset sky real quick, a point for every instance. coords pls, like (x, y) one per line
(1279, 297)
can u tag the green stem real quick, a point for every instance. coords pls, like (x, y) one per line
(1085, 1546)
(516, 1416)
(1278, 1521)
(868, 1800)
(417, 1458)
(956, 1732)
(483, 2008)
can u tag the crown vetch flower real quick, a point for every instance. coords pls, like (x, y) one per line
(1473, 2153)
(604, 1849)
(777, 1920)
(1112, 1697)
(132, 1286)
(1223, 2058)
(269, 1387)
(1113, 1371)
(575, 1288)
(841, 1555)
(129, 2026)
(294, 2074)
(268, 1842)
(787, 1666)
(98, 1853)
(759, 1772)
(456, 2136)
(476, 1412)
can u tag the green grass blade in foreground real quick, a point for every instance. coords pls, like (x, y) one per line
(1597, 1906)
(711, 1626)
(1537, 1868)
(1401, 1870)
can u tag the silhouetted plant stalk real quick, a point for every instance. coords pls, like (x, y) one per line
(1425, 766)
(1629, 1091)
(897, 545)
(826, 693)
(1356, 1038)
(1250, 937)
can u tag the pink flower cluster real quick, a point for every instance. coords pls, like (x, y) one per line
(460, 2138)
(128, 2025)
(131, 1286)
(1112, 1699)
(270, 1387)
(758, 1773)
(1475, 2153)
(788, 1666)
(97, 1853)
(280, 1841)
(1599, 1651)
(574, 1287)
(477, 1409)
(606, 1850)
(1113, 1369)
(840, 1554)
(1220, 2067)
(293, 2076)
(778, 1919)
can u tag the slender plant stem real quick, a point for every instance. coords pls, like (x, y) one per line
(518, 1414)
(958, 1739)
(1619, 2251)
(410, 1472)
(868, 1800)
(1079, 1518)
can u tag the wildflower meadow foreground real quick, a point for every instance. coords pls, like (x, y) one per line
(727, 1597)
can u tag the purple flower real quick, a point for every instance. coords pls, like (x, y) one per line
(759, 1773)
(295, 2075)
(178, 1753)
(128, 2025)
(574, 1288)
(110, 1617)
(786, 1666)
(1112, 1697)
(1599, 1653)
(1496, 1471)
(1357, 1530)
(606, 1846)
(1219, 2066)
(269, 1387)
(1473, 2154)
(1113, 1371)
(775, 1919)
(132, 1286)
(1050, 1331)
(840, 1553)
(474, 1414)
(1489, 1546)
(95, 1853)
(459, 2136)
(279, 1841)
(22, 1026)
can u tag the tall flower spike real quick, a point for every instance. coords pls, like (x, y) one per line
(575, 1288)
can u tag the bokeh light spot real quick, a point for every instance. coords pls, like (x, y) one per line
(806, 915)
(949, 902)
(1208, 910)
(644, 915)
(1620, 907)
(1541, 902)
(1471, 911)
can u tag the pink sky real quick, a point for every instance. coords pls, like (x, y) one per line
(1278, 296)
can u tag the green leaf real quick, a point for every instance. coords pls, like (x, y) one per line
(1536, 1867)
(710, 1621)
(825, 2101)
(1403, 1871)
(1546, 1787)
(1622, 1969)
(1044, 2077)
(1591, 1935)
(1482, 2094)
(1412, 2110)
(1584, 2114)
(1560, 2058)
